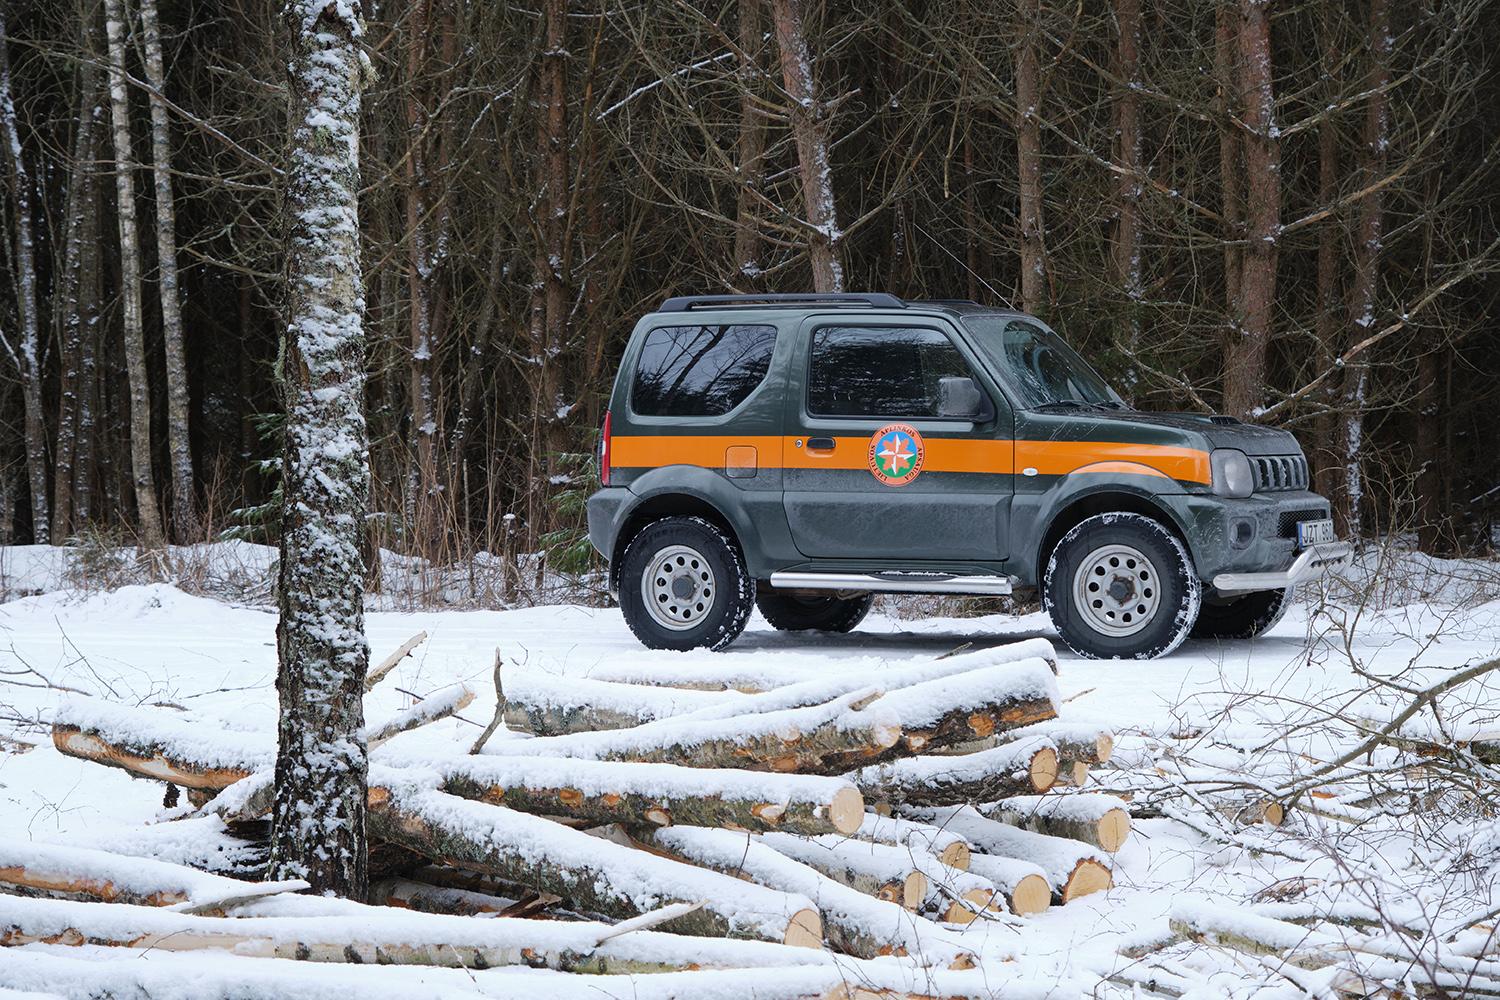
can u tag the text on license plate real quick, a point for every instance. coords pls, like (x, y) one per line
(1314, 533)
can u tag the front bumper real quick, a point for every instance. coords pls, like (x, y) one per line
(1311, 563)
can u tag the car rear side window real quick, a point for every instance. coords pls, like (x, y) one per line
(880, 371)
(700, 371)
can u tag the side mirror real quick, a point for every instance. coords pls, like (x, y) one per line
(961, 399)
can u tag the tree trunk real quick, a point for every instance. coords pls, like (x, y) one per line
(148, 514)
(751, 145)
(1231, 170)
(185, 522)
(1127, 248)
(1020, 767)
(25, 352)
(1029, 159)
(1245, 361)
(810, 129)
(67, 314)
(1324, 456)
(1365, 276)
(318, 822)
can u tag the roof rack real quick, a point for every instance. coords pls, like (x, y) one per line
(870, 300)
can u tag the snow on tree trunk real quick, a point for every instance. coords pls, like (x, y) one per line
(78, 265)
(318, 821)
(147, 513)
(1029, 160)
(1366, 267)
(1128, 184)
(1245, 361)
(24, 352)
(185, 524)
(750, 154)
(810, 129)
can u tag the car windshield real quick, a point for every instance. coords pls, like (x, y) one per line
(1039, 364)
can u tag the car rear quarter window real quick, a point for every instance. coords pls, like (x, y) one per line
(700, 371)
(880, 371)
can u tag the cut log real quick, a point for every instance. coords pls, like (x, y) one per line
(1100, 820)
(657, 794)
(1076, 741)
(879, 870)
(1073, 869)
(958, 897)
(551, 705)
(948, 847)
(854, 923)
(353, 933)
(81, 872)
(1022, 885)
(408, 895)
(971, 705)
(819, 739)
(185, 750)
(388, 664)
(440, 704)
(592, 875)
(1020, 767)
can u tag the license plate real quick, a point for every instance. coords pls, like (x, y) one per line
(1314, 533)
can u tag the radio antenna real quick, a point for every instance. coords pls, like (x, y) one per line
(1003, 300)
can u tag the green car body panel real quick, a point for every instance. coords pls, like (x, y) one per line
(796, 489)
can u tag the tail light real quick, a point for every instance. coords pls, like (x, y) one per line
(604, 450)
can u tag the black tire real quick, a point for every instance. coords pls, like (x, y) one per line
(1243, 617)
(790, 613)
(699, 584)
(1121, 563)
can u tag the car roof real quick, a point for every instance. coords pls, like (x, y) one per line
(813, 302)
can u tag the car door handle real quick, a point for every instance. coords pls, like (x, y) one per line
(821, 444)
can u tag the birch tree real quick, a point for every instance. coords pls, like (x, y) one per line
(148, 515)
(185, 523)
(318, 822)
(23, 348)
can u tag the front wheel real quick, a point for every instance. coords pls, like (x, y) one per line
(1121, 586)
(1243, 617)
(683, 585)
(790, 613)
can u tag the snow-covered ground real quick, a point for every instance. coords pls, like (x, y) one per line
(1258, 708)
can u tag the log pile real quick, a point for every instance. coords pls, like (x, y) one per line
(866, 813)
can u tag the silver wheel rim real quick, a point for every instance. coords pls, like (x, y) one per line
(1117, 590)
(678, 588)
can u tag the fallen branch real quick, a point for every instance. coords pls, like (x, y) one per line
(155, 743)
(439, 705)
(388, 664)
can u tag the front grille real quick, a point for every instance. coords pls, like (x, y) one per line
(1277, 473)
(1286, 521)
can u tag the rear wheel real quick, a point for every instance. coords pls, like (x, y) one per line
(1243, 617)
(683, 585)
(791, 613)
(1121, 586)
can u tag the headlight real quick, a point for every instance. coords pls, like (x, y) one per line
(1232, 476)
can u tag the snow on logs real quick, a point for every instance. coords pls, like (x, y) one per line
(853, 922)
(593, 874)
(1072, 869)
(949, 848)
(180, 748)
(1020, 767)
(657, 794)
(1099, 820)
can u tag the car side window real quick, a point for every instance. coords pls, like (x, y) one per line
(700, 371)
(880, 371)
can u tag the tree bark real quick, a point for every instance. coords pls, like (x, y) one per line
(751, 149)
(1029, 159)
(148, 513)
(318, 821)
(186, 525)
(1254, 313)
(25, 352)
(810, 130)
(1324, 455)
(1022, 767)
(1231, 169)
(1127, 248)
(68, 314)
(1365, 271)
(1099, 820)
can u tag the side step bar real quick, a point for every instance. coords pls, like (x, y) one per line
(894, 582)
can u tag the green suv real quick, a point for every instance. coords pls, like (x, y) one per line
(801, 453)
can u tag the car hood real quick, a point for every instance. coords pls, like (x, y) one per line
(1212, 431)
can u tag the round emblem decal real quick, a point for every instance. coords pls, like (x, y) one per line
(896, 454)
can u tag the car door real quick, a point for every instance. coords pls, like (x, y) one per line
(871, 470)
